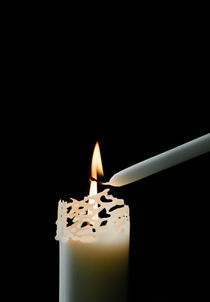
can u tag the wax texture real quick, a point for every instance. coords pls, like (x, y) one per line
(94, 249)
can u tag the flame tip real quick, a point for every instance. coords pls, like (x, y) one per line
(96, 168)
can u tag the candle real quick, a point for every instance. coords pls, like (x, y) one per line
(93, 239)
(162, 161)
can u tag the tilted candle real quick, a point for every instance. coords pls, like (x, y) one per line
(162, 161)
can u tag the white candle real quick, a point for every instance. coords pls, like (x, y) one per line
(162, 161)
(93, 258)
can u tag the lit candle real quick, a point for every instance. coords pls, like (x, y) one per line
(94, 237)
(162, 161)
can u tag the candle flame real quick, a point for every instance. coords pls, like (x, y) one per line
(96, 169)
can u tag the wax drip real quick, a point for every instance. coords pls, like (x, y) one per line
(77, 219)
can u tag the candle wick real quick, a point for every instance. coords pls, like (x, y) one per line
(98, 181)
(94, 179)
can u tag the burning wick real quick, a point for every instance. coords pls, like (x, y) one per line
(94, 179)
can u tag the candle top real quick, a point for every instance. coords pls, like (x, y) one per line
(77, 219)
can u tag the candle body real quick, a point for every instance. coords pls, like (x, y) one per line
(162, 161)
(94, 249)
(94, 271)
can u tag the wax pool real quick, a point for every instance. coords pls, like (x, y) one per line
(94, 252)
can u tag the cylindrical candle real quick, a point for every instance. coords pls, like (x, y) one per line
(94, 252)
(162, 161)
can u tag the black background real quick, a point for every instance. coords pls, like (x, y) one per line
(168, 211)
(138, 95)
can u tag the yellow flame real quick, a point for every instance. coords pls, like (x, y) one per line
(96, 166)
(96, 169)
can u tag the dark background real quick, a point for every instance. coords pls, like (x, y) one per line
(168, 211)
(138, 93)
